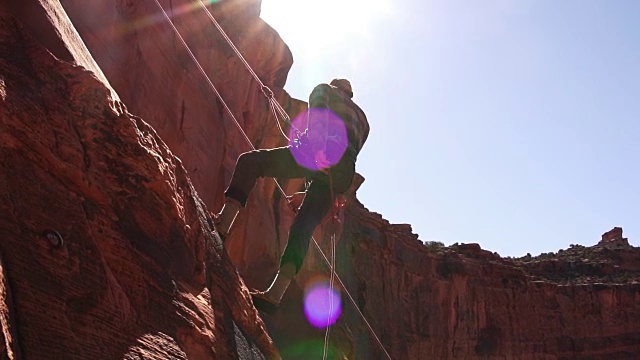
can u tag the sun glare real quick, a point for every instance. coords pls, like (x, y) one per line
(329, 22)
(330, 38)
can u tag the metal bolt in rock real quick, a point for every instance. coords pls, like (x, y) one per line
(54, 238)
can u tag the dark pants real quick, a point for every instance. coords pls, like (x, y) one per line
(280, 163)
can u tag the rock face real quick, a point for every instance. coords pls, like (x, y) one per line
(106, 250)
(613, 238)
(139, 272)
(463, 302)
(612, 235)
(155, 76)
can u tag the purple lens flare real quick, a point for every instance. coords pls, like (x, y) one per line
(324, 142)
(322, 305)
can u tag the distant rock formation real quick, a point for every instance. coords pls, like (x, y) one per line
(107, 249)
(614, 239)
(464, 302)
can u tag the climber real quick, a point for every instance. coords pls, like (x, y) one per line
(328, 179)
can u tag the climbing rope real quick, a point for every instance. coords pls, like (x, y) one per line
(276, 108)
(195, 60)
(332, 267)
(331, 281)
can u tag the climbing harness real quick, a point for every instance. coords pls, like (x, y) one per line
(276, 109)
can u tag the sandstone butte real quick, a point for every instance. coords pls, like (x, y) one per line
(114, 152)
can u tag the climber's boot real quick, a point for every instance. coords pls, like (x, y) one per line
(269, 301)
(224, 220)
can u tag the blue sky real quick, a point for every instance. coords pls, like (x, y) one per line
(512, 124)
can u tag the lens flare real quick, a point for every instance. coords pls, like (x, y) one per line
(324, 142)
(322, 305)
(157, 16)
(309, 349)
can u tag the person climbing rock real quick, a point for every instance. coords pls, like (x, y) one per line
(325, 155)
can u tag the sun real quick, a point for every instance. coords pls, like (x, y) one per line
(324, 23)
(330, 38)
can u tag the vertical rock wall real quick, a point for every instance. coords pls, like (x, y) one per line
(106, 250)
(467, 303)
(157, 79)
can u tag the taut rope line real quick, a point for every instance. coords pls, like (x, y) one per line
(215, 90)
(279, 107)
(275, 105)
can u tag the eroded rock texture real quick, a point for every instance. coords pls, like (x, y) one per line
(463, 302)
(106, 250)
(155, 76)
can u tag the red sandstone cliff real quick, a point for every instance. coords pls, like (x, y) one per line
(463, 302)
(157, 79)
(106, 250)
(422, 301)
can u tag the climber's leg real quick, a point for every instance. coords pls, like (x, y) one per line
(315, 206)
(278, 162)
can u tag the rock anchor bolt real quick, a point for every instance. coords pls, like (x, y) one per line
(54, 238)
